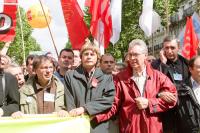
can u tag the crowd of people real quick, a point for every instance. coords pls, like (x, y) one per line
(141, 95)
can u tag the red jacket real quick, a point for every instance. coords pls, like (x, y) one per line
(131, 119)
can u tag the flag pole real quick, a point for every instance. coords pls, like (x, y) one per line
(22, 34)
(152, 45)
(167, 16)
(49, 29)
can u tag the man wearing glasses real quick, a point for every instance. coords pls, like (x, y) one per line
(136, 100)
(44, 92)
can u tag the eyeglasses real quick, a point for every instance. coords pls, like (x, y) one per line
(47, 68)
(134, 54)
(197, 66)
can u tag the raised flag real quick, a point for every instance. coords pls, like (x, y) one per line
(77, 29)
(190, 44)
(149, 20)
(8, 20)
(101, 23)
(116, 12)
(196, 25)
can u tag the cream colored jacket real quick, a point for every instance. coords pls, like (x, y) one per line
(28, 104)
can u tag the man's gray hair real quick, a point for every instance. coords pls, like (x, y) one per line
(140, 43)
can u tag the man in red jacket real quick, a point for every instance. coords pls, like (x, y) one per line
(137, 88)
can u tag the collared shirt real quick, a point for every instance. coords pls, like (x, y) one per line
(38, 86)
(61, 77)
(196, 89)
(140, 80)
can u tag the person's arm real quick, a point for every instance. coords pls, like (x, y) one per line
(69, 94)
(12, 96)
(115, 106)
(5, 48)
(158, 104)
(104, 102)
(99, 104)
(167, 96)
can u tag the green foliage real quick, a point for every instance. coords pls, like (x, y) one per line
(68, 44)
(15, 50)
(131, 11)
(160, 6)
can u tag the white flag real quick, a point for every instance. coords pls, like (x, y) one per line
(149, 21)
(116, 11)
(147, 5)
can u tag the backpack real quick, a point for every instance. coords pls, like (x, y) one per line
(187, 109)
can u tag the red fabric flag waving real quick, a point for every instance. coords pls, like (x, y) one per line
(101, 23)
(8, 20)
(76, 26)
(190, 45)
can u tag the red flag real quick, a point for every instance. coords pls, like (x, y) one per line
(190, 45)
(76, 26)
(8, 21)
(101, 23)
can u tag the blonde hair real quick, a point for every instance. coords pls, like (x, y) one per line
(90, 46)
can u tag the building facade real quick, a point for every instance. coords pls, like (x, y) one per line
(177, 24)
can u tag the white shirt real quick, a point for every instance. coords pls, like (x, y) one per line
(140, 80)
(196, 89)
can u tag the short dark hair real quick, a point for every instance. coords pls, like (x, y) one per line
(106, 54)
(30, 57)
(40, 59)
(66, 50)
(170, 38)
(191, 61)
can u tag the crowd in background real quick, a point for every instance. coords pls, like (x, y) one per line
(140, 95)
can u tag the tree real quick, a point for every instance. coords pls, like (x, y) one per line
(131, 10)
(15, 50)
(68, 44)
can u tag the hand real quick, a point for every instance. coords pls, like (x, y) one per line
(7, 44)
(77, 111)
(167, 96)
(141, 102)
(62, 113)
(17, 115)
(163, 57)
(1, 112)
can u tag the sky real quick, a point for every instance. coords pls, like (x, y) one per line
(57, 26)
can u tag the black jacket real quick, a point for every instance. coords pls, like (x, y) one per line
(11, 94)
(96, 96)
(168, 70)
(168, 118)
